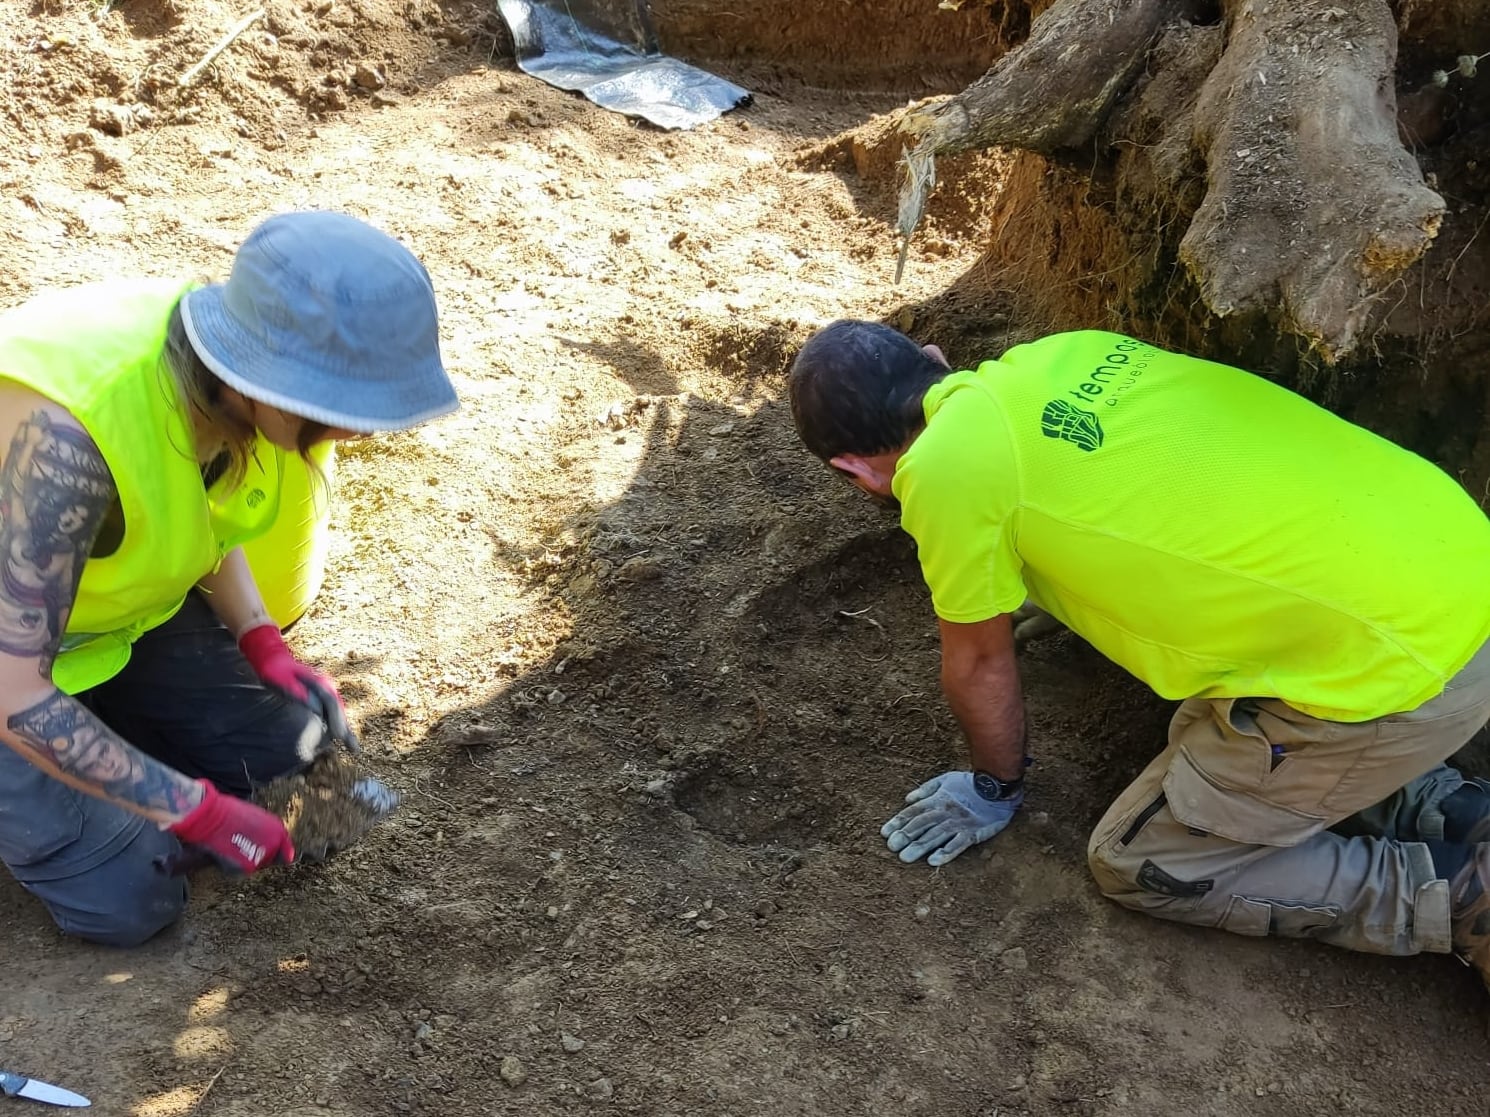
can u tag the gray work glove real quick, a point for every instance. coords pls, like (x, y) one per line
(946, 816)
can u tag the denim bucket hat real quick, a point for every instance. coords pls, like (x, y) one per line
(327, 318)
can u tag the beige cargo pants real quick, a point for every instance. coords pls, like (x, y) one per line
(1261, 820)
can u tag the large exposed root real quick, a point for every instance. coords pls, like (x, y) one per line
(1312, 204)
(1054, 91)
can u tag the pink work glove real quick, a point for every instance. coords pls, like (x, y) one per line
(265, 649)
(239, 836)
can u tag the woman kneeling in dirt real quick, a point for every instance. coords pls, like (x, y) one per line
(141, 678)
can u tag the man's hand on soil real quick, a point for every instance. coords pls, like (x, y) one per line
(946, 816)
(239, 836)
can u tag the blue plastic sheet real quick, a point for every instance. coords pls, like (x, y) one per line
(607, 50)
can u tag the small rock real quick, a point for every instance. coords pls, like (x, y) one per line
(922, 911)
(1017, 1082)
(367, 77)
(117, 120)
(423, 1032)
(640, 569)
(571, 1044)
(512, 1071)
(722, 429)
(386, 98)
(841, 1031)
(658, 788)
(1014, 959)
(601, 1089)
(616, 416)
(677, 238)
(765, 909)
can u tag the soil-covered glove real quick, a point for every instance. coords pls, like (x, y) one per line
(239, 836)
(267, 653)
(946, 816)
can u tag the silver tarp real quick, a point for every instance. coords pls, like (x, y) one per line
(607, 50)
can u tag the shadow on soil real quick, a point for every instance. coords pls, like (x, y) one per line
(675, 818)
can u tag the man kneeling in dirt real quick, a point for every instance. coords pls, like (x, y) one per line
(1317, 596)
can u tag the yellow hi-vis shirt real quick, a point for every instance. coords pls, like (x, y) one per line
(1213, 533)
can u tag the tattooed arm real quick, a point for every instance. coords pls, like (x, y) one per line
(55, 493)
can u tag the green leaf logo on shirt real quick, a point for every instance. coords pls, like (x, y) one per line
(1062, 420)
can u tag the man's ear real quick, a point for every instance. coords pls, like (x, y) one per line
(854, 465)
(862, 472)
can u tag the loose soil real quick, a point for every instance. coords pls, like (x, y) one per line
(647, 678)
(328, 806)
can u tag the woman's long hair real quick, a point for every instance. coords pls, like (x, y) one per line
(203, 393)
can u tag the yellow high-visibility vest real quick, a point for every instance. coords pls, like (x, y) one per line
(97, 350)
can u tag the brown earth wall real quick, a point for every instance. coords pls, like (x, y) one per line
(909, 45)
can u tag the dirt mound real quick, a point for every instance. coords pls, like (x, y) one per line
(116, 68)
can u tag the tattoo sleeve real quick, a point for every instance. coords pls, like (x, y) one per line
(55, 492)
(67, 736)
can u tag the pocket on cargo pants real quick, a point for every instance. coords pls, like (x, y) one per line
(1215, 857)
(1199, 800)
(1166, 867)
(1225, 779)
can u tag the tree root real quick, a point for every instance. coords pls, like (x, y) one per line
(1310, 206)
(1051, 93)
(1054, 91)
(1313, 205)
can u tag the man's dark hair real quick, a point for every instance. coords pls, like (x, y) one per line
(856, 388)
